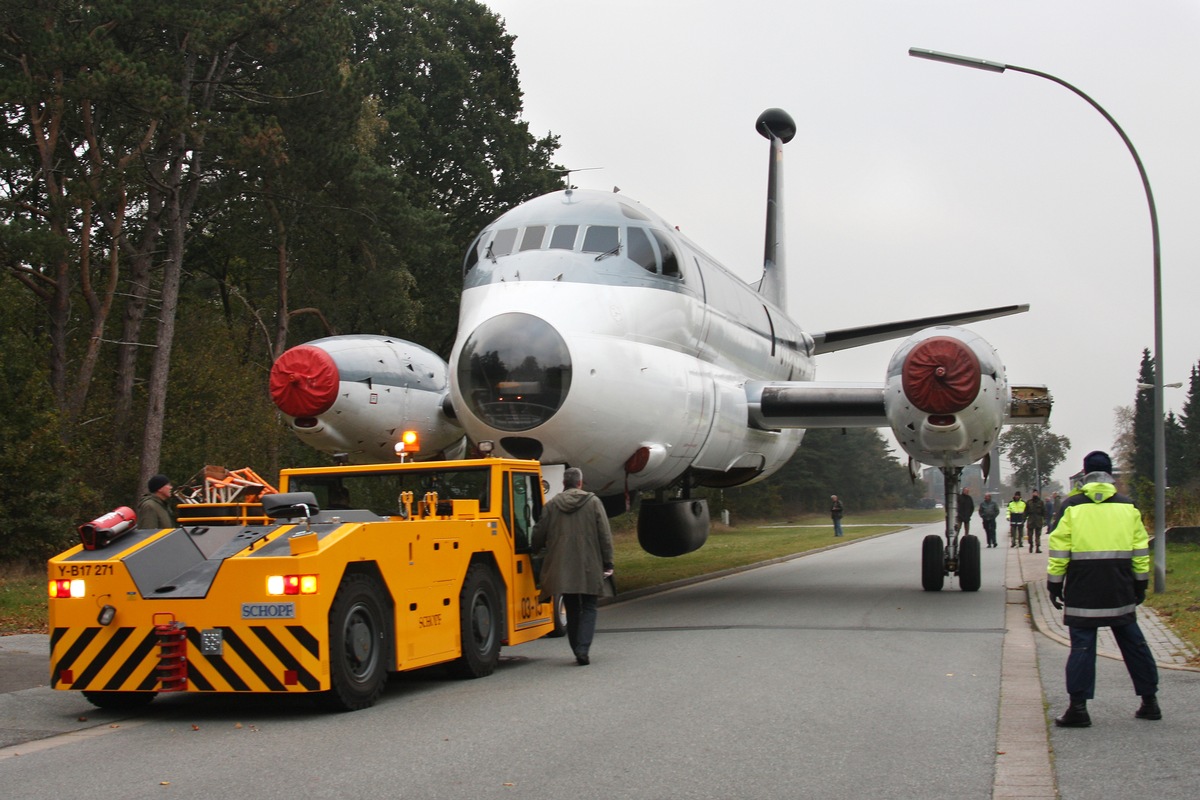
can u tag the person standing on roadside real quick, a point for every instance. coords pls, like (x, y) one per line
(579, 558)
(1052, 507)
(1016, 520)
(966, 507)
(1035, 518)
(988, 511)
(1097, 572)
(835, 512)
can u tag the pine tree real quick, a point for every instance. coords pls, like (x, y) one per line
(1185, 469)
(1141, 483)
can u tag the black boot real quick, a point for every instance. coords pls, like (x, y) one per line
(1076, 716)
(1149, 709)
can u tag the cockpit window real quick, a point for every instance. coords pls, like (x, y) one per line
(670, 261)
(472, 255)
(532, 240)
(632, 212)
(502, 245)
(601, 239)
(641, 252)
(564, 237)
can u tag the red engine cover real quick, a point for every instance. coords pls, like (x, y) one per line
(941, 375)
(304, 381)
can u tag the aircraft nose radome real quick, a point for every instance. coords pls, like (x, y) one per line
(304, 381)
(514, 372)
(941, 375)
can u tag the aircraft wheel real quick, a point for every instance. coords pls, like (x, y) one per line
(969, 575)
(120, 701)
(480, 624)
(560, 618)
(933, 563)
(357, 645)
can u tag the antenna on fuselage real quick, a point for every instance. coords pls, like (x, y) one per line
(777, 126)
(566, 173)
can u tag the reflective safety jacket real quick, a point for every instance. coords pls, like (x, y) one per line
(1016, 511)
(1099, 547)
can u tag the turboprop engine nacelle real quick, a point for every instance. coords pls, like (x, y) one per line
(357, 395)
(946, 396)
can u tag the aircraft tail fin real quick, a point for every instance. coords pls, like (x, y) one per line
(777, 126)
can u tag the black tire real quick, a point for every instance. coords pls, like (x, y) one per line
(358, 645)
(933, 563)
(120, 701)
(481, 624)
(969, 573)
(560, 618)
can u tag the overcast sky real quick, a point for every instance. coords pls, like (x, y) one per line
(912, 187)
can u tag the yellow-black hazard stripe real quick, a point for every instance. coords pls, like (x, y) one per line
(248, 672)
(87, 671)
(206, 672)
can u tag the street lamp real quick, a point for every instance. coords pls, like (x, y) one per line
(1160, 448)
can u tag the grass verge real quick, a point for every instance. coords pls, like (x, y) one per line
(750, 543)
(1179, 605)
(22, 600)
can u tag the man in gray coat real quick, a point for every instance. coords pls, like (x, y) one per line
(579, 556)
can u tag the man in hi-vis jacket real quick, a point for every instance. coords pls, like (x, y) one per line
(1098, 569)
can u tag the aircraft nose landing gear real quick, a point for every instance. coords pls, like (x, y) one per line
(958, 555)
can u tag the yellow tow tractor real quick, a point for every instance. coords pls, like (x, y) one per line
(344, 575)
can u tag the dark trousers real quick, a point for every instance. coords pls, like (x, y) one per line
(989, 528)
(1035, 535)
(581, 621)
(1081, 664)
(964, 524)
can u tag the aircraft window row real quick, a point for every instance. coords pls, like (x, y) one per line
(648, 248)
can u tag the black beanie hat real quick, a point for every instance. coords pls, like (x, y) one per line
(157, 482)
(1097, 461)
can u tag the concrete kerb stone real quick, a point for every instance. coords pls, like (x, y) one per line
(1023, 762)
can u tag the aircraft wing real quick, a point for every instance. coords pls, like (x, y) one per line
(846, 338)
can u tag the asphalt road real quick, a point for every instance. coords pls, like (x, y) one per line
(1120, 754)
(830, 676)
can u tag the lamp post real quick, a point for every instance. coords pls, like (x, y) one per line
(1037, 470)
(1160, 449)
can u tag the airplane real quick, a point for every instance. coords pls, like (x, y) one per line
(592, 333)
